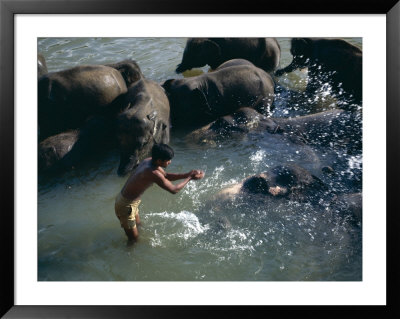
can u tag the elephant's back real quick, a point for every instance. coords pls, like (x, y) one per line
(93, 84)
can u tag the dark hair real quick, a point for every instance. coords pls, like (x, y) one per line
(162, 152)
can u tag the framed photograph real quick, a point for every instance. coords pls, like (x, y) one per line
(326, 241)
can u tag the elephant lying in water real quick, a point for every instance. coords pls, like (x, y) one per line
(335, 128)
(72, 148)
(144, 119)
(331, 61)
(201, 99)
(67, 98)
(263, 52)
(243, 121)
(290, 181)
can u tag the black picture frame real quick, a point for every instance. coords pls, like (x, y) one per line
(8, 8)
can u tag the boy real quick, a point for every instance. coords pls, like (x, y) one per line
(149, 171)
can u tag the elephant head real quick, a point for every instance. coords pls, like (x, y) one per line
(301, 50)
(290, 181)
(137, 134)
(199, 52)
(188, 102)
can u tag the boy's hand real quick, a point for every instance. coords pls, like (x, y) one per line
(197, 174)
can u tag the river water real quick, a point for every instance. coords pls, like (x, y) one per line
(181, 238)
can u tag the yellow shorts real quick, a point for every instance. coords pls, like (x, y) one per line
(126, 211)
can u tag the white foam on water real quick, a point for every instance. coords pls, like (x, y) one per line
(257, 158)
(190, 226)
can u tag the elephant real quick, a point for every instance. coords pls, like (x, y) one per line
(67, 98)
(201, 99)
(144, 119)
(243, 121)
(42, 66)
(263, 52)
(70, 149)
(332, 61)
(291, 182)
(333, 128)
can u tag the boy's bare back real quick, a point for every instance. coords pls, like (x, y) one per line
(140, 180)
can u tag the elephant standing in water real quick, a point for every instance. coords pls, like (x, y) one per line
(67, 98)
(144, 119)
(332, 61)
(202, 99)
(263, 52)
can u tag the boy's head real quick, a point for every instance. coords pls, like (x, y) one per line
(162, 154)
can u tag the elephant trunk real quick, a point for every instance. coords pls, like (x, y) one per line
(181, 68)
(127, 163)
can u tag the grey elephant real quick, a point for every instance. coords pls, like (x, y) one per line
(333, 61)
(73, 148)
(201, 99)
(144, 119)
(67, 98)
(242, 121)
(289, 181)
(263, 52)
(333, 128)
(42, 66)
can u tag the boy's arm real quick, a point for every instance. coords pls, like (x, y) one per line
(166, 184)
(175, 177)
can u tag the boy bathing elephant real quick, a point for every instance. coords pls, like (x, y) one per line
(148, 172)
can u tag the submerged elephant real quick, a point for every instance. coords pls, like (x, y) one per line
(73, 148)
(202, 99)
(331, 61)
(67, 98)
(290, 181)
(348, 204)
(334, 128)
(243, 121)
(42, 66)
(144, 119)
(263, 52)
